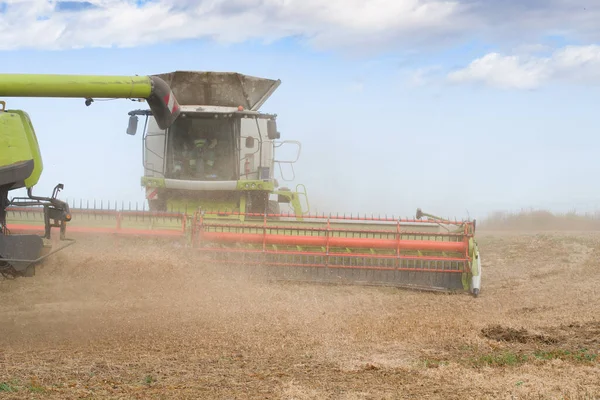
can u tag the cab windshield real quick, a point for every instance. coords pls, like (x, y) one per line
(201, 149)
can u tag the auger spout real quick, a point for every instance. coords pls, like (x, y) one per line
(153, 89)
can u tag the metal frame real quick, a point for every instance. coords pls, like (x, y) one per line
(408, 253)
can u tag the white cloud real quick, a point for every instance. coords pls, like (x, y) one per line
(353, 25)
(573, 64)
(423, 76)
(37, 24)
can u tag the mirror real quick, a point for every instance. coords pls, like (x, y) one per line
(249, 142)
(272, 130)
(133, 123)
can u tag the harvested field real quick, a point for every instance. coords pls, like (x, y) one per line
(107, 320)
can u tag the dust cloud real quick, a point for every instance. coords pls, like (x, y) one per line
(139, 319)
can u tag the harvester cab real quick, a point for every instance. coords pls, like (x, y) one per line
(219, 156)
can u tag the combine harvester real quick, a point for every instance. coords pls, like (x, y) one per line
(209, 175)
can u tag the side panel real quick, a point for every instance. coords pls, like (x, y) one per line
(267, 148)
(19, 143)
(259, 156)
(154, 150)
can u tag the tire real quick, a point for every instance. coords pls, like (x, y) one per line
(29, 271)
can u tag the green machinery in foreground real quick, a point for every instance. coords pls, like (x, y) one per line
(209, 160)
(21, 161)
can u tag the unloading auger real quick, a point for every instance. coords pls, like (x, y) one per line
(21, 162)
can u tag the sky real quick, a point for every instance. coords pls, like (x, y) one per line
(459, 107)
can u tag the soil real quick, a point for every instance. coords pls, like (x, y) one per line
(125, 320)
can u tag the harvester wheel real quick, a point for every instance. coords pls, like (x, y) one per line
(29, 271)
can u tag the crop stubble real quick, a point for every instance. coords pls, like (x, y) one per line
(137, 320)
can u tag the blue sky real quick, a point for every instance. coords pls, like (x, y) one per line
(464, 106)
